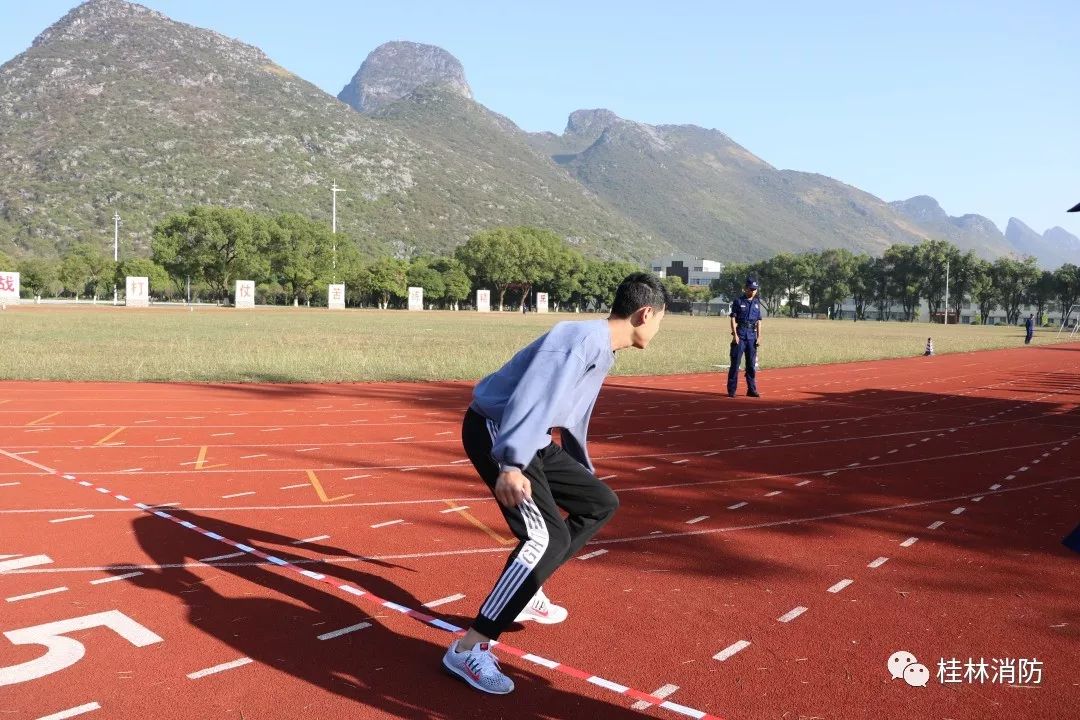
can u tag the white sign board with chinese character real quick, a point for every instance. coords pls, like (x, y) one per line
(483, 301)
(416, 298)
(245, 294)
(541, 302)
(137, 293)
(336, 297)
(9, 287)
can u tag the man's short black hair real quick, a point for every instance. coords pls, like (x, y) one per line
(639, 290)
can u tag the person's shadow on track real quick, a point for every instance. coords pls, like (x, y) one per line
(391, 668)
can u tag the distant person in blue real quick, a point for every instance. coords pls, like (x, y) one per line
(745, 336)
(1029, 326)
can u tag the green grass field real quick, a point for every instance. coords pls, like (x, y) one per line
(311, 345)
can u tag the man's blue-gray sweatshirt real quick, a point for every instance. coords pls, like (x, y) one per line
(551, 383)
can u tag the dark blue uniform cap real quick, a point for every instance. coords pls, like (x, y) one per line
(752, 283)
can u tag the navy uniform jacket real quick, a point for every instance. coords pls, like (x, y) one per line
(747, 313)
(1029, 324)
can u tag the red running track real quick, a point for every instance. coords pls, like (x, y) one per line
(769, 556)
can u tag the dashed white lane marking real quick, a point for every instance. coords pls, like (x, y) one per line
(310, 539)
(678, 462)
(710, 454)
(977, 499)
(959, 510)
(69, 519)
(774, 492)
(239, 494)
(995, 486)
(225, 434)
(738, 505)
(1010, 477)
(731, 650)
(840, 585)
(935, 525)
(647, 467)
(220, 668)
(661, 693)
(72, 712)
(249, 457)
(24, 562)
(697, 519)
(607, 477)
(387, 523)
(827, 474)
(875, 457)
(356, 477)
(40, 593)
(293, 487)
(459, 508)
(792, 614)
(344, 631)
(909, 542)
(403, 437)
(167, 439)
(1025, 468)
(10, 484)
(445, 600)
(878, 563)
(594, 553)
(114, 578)
(800, 484)
(226, 556)
(307, 450)
(271, 429)
(894, 450)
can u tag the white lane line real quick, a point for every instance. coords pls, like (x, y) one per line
(226, 556)
(774, 492)
(737, 505)
(710, 454)
(356, 477)
(166, 439)
(445, 600)
(1024, 468)
(792, 614)
(661, 693)
(958, 510)
(24, 562)
(454, 509)
(827, 474)
(678, 462)
(388, 522)
(10, 484)
(977, 499)
(800, 484)
(878, 563)
(909, 542)
(647, 467)
(271, 429)
(995, 486)
(249, 457)
(594, 553)
(40, 593)
(239, 494)
(310, 539)
(114, 578)
(344, 631)
(935, 525)
(840, 585)
(220, 668)
(855, 464)
(293, 487)
(68, 519)
(731, 650)
(697, 519)
(221, 434)
(875, 457)
(307, 450)
(894, 450)
(72, 712)
(608, 477)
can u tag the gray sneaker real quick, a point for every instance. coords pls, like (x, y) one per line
(479, 667)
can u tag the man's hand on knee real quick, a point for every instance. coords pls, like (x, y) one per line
(512, 487)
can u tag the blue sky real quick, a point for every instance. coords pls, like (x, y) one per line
(974, 103)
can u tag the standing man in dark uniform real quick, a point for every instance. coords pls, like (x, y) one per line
(1029, 326)
(745, 333)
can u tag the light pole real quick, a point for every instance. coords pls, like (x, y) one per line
(333, 222)
(115, 248)
(946, 292)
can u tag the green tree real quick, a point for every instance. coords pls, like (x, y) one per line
(906, 277)
(156, 276)
(85, 270)
(832, 274)
(930, 259)
(676, 288)
(788, 274)
(423, 274)
(962, 273)
(456, 283)
(862, 284)
(388, 278)
(303, 256)
(1012, 279)
(983, 292)
(731, 282)
(1067, 283)
(39, 276)
(7, 264)
(1041, 293)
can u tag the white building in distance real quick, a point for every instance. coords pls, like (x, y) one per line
(692, 270)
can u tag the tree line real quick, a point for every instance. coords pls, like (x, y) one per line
(200, 254)
(903, 277)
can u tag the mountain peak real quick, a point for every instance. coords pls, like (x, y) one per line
(91, 18)
(922, 209)
(590, 122)
(395, 69)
